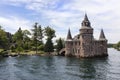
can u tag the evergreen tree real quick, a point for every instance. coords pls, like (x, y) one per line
(59, 45)
(49, 32)
(37, 36)
(49, 46)
(18, 39)
(40, 33)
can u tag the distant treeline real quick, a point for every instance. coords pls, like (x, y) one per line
(110, 45)
(116, 46)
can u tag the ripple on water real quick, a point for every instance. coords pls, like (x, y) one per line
(60, 68)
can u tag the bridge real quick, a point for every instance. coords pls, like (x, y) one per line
(62, 52)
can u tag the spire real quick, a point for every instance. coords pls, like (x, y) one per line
(86, 18)
(69, 35)
(86, 21)
(102, 36)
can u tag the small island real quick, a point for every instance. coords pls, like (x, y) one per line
(25, 42)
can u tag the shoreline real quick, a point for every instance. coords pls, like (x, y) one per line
(13, 54)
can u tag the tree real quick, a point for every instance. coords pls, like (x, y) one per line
(18, 36)
(26, 39)
(40, 33)
(49, 46)
(49, 32)
(117, 46)
(3, 39)
(37, 36)
(18, 39)
(59, 44)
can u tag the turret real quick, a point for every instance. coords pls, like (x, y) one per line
(69, 37)
(86, 38)
(86, 26)
(69, 44)
(102, 36)
(86, 22)
(103, 44)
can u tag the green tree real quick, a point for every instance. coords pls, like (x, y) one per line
(18, 36)
(37, 36)
(40, 34)
(26, 39)
(49, 46)
(49, 32)
(34, 36)
(59, 45)
(3, 39)
(117, 46)
(18, 39)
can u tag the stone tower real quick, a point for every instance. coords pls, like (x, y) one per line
(103, 42)
(69, 44)
(86, 38)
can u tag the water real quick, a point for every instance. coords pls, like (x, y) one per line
(60, 68)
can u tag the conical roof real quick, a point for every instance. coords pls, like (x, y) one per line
(102, 36)
(86, 18)
(86, 22)
(69, 35)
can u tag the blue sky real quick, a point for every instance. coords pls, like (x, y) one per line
(61, 15)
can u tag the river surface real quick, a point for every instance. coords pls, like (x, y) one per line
(61, 68)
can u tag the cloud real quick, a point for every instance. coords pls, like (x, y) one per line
(12, 24)
(62, 14)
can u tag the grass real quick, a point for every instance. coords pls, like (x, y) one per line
(29, 53)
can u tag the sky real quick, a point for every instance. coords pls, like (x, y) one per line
(62, 15)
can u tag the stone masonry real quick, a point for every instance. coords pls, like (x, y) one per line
(84, 45)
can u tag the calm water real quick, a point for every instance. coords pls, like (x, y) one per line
(60, 68)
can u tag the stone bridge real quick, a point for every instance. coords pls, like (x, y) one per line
(62, 52)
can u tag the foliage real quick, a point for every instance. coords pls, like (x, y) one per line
(49, 32)
(40, 33)
(49, 46)
(37, 36)
(110, 45)
(12, 48)
(18, 39)
(24, 40)
(3, 39)
(41, 47)
(117, 46)
(19, 49)
(4, 53)
(59, 45)
(18, 35)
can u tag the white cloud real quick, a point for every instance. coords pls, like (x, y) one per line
(102, 14)
(12, 24)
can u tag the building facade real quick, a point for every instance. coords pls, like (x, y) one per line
(84, 44)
